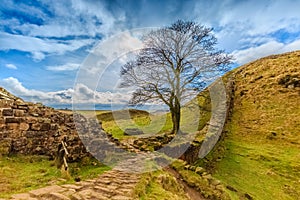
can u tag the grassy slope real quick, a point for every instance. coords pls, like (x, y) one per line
(262, 156)
(23, 173)
(150, 124)
(159, 185)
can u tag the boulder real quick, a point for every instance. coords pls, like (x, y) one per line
(133, 131)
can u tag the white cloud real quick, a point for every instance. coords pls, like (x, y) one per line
(241, 24)
(37, 56)
(262, 17)
(11, 66)
(295, 45)
(83, 94)
(272, 47)
(16, 87)
(39, 47)
(101, 68)
(69, 18)
(65, 67)
(80, 94)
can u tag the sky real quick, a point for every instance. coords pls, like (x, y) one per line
(44, 44)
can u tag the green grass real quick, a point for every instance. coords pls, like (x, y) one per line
(159, 185)
(20, 174)
(149, 124)
(264, 171)
(192, 119)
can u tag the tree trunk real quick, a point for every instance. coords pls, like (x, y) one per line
(176, 117)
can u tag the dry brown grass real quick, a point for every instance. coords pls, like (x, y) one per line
(263, 107)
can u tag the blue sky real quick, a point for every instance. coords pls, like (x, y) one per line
(44, 43)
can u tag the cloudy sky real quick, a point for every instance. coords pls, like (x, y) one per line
(44, 43)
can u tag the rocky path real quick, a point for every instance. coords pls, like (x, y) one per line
(192, 193)
(111, 185)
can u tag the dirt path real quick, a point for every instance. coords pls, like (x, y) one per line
(192, 193)
(114, 185)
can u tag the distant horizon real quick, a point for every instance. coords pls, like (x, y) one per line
(106, 107)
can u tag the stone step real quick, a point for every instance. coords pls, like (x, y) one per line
(42, 191)
(22, 196)
(55, 196)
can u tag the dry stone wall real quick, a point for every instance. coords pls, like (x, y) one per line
(29, 128)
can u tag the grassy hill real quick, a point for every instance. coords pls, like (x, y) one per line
(261, 150)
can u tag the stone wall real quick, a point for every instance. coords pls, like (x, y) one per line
(193, 152)
(29, 128)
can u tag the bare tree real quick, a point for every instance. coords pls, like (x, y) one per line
(175, 63)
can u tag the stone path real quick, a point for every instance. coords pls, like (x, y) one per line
(114, 185)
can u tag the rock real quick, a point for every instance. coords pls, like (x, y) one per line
(35, 114)
(133, 131)
(36, 127)
(42, 191)
(208, 177)
(76, 197)
(120, 197)
(45, 127)
(20, 196)
(31, 120)
(187, 167)
(12, 126)
(193, 168)
(56, 196)
(22, 106)
(199, 170)
(19, 113)
(86, 193)
(13, 120)
(215, 182)
(71, 186)
(24, 126)
(139, 143)
(231, 188)
(248, 196)
(7, 112)
(220, 187)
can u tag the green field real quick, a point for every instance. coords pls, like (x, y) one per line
(20, 174)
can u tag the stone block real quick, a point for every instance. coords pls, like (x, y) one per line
(45, 127)
(30, 134)
(13, 120)
(46, 120)
(35, 127)
(21, 196)
(56, 196)
(5, 146)
(133, 131)
(13, 126)
(2, 126)
(31, 120)
(53, 127)
(7, 112)
(19, 113)
(43, 191)
(24, 126)
(34, 114)
(22, 106)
